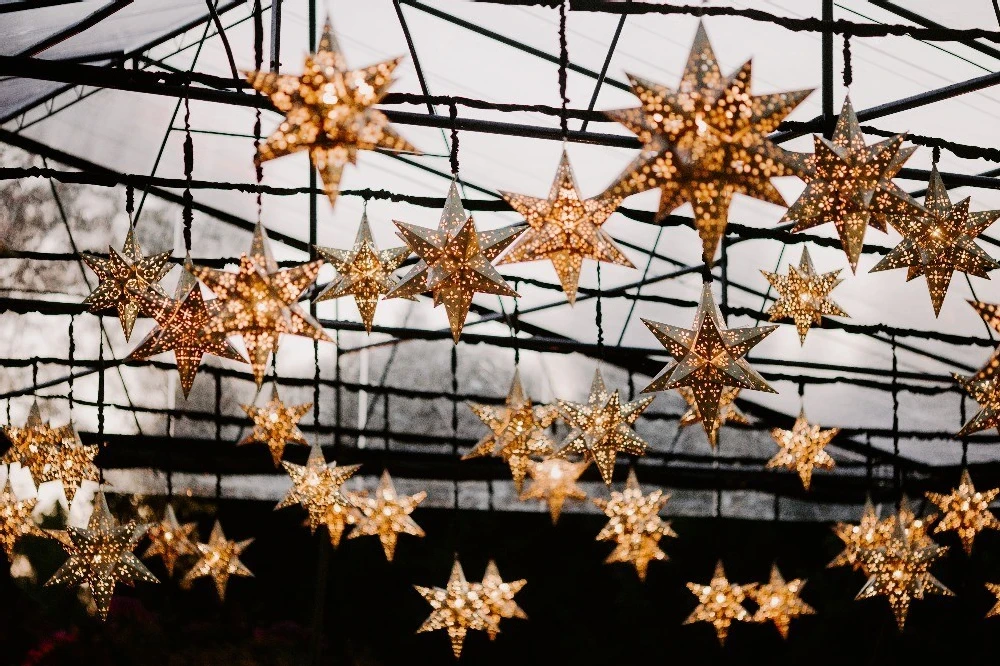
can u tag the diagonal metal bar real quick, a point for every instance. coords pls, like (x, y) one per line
(75, 29)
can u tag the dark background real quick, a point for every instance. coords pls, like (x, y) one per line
(581, 610)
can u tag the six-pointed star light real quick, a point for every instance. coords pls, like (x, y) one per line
(720, 603)
(804, 295)
(779, 601)
(329, 111)
(553, 480)
(802, 449)
(705, 142)
(170, 540)
(15, 519)
(565, 228)
(316, 486)
(728, 412)
(219, 559)
(387, 515)
(458, 607)
(938, 240)
(966, 510)
(870, 533)
(276, 424)
(498, 599)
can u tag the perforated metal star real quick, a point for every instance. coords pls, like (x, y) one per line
(779, 602)
(338, 518)
(601, 428)
(553, 480)
(316, 486)
(364, 272)
(15, 520)
(900, 571)
(329, 111)
(869, 534)
(182, 327)
(939, 239)
(705, 142)
(68, 460)
(259, 302)
(708, 358)
(34, 436)
(100, 556)
(849, 183)
(565, 228)
(728, 412)
(635, 525)
(499, 601)
(387, 515)
(276, 424)
(121, 277)
(455, 261)
(802, 449)
(517, 431)
(804, 295)
(219, 559)
(966, 510)
(986, 392)
(720, 603)
(170, 540)
(458, 607)
(995, 589)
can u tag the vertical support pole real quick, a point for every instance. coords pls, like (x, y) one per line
(827, 41)
(275, 35)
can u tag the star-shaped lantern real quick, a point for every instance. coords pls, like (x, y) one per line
(966, 510)
(871, 533)
(565, 229)
(804, 295)
(499, 599)
(33, 437)
(276, 424)
(455, 261)
(170, 540)
(219, 559)
(554, 481)
(183, 328)
(779, 601)
(938, 240)
(601, 428)
(387, 515)
(121, 277)
(317, 487)
(849, 183)
(986, 392)
(458, 607)
(517, 431)
(68, 461)
(101, 556)
(259, 302)
(705, 142)
(364, 272)
(727, 412)
(720, 603)
(802, 449)
(709, 358)
(339, 517)
(635, 525)
(329, 111)
(990, 314)
(16, 520)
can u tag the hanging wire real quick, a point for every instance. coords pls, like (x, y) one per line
(100, 404)
(453, 157)
(515, 322)
(897, 468)
(188, 211)
(218, 438)
(965, 440)
(848, 70)
(72, 362)
(563, 66)
(454, 420)
(170, 458)
(599, 317)
(258, 58)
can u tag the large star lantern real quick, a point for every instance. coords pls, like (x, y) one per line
(171, 540)
(720, 603)
(455, 261)
(779, 602)
(34, 436)
(458, 607)
(601, 428)
(499, 599)
(553, 480)
(329, 111)
(69, 461)
(803, 448)
(565, 228)
(705, 142)
(849, 184)
(387, 515)
(219, 559)
(121, 277)
(708, 358)
(804, 295)
(986, 392)
(728, 412)
(316, 486)
(100, 556)
(517, 431)
(938, 240)
(276, 424)
(259, 302)
(966, 510)
(15, 519)
(364, 272)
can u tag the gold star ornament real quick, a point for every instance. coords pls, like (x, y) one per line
(387, 515)
(565, 228)
(100, 556)
(871, 533)
(499, 599)
(15, 519)
(779, 601)
(966, 510)
(705, 142)
(316, 486)
(728, 412)
(601, 428)
(329, 111)
(458, 607)
(804, 295)
(986, 392)
(720, 603)
(849, 183)
(121, 277)
(553, 481)
(708, 358)
(218, 559)
(802, 449)
(170, 540)
(517, 431)
(32, 438)
(259, 302)
(339, 517)
(938, 240)
(276, 424)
